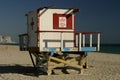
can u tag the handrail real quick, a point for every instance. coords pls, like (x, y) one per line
(88, 32)
(25, 34)
(81, 39)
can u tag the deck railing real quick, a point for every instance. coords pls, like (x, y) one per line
(23, 42)
(82, 40)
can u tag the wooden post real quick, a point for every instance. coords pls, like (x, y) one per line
(32, 59)
(49, 70)
(86, 61)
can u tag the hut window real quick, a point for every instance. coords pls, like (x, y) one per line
(62, 21)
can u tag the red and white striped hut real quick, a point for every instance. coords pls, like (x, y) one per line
(52, 31)
(48, 27)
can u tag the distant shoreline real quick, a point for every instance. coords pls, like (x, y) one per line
(11, 44)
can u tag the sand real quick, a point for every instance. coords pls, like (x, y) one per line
(17, 65)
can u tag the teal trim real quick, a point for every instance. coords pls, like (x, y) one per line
(88, 49)
(52, 51)
(66, 49)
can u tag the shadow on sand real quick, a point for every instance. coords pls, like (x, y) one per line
(27, 70)
(18, 69)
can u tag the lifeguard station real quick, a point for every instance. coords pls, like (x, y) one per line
(52, 39)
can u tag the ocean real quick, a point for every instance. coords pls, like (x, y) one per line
(110, 48)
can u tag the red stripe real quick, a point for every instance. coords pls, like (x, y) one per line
(88, 32)
(55, 31)
(74, 31)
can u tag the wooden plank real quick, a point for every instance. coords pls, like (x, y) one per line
(61, 64)
(65, 62)
(49, 71)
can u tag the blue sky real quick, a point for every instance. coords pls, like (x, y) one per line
(94, 15)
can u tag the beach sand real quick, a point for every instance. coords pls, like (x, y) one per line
(17, 65)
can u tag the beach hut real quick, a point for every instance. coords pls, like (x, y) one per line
(52, 38)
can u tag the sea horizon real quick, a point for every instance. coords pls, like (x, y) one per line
(104, 48)
(110, 48)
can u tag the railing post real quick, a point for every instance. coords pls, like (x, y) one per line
(79, 41)
(90, 40)
(73, 21)
(83, 40)
(61, 41)
(98, 46)
(20, 40)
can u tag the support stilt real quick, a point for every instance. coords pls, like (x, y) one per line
(32, 59)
